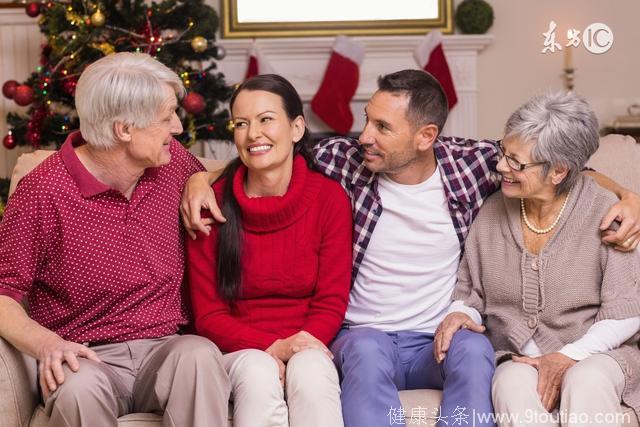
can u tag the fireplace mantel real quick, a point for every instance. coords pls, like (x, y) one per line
(303, 62)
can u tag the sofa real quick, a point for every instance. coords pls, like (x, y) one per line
(618, 157)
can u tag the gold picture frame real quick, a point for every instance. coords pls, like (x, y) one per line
(8, 4)
(233, 27)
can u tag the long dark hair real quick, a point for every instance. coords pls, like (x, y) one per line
(230, 237)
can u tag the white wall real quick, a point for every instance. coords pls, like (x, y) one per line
(512, 69)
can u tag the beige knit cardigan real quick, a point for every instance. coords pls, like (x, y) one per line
(556, 296)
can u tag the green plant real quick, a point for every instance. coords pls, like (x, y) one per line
(474, 16)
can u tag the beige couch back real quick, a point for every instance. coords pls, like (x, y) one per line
(28, 161)
(618, 157)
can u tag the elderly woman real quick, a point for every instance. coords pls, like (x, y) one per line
(270, 286)
(92, 240)
(560, 308)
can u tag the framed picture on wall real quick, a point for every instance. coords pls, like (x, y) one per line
(6, 4)
(296, 18)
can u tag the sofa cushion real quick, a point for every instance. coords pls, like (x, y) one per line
(40, 419)
(17, 399)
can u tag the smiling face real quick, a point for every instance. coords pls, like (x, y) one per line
(525, 184)
(149, 147)
(388, 138)
(263, 133)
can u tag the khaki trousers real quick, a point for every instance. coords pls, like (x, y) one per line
(590, 395)
(180, 377)
(312, 390)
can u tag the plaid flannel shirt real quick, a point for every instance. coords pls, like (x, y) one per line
(467, 166)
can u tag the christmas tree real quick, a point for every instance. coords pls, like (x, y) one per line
(179, 33)
(4, 191)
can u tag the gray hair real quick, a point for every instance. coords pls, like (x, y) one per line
(563, 129)
(123, 87)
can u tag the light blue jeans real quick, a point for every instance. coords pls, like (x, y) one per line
(374, 365)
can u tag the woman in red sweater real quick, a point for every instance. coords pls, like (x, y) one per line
(270, 285)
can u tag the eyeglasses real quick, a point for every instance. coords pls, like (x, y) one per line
(513, 163)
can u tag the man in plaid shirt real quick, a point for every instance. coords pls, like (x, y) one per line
(405, 256)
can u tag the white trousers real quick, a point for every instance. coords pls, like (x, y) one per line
(590, 395)
(312, 390)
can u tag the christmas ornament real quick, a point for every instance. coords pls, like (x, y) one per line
(23, 95)
(9, 142)
(33, 137)
(220, 53)
(199, 44)
(9, 88)
(193, 103)
(74, 18)
(152, 35)
(230, 126)
(169, 34)
(98, 19)
(105, 48)
(32, 9)
(60, 108)
(69, 85)
(2, 207)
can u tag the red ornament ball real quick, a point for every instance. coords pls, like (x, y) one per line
(69, 86)
(23, 95)
(32, 9)
(193, 103)
(9, 88)
(33, 137)
(9, 142)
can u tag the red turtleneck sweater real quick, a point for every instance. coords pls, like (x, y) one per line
(296, 265)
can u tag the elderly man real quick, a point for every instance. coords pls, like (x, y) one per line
(406, 255)
(91, 239)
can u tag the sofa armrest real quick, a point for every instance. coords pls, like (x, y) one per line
(17, 388)
(25, 164)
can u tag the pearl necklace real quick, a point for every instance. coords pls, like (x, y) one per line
(549, 228)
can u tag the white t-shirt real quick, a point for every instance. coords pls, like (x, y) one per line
(409, 268)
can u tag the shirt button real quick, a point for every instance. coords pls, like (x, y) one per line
(532, 322)
(534, 265)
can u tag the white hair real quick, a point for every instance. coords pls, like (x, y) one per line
(126, 87)
(563, 129)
